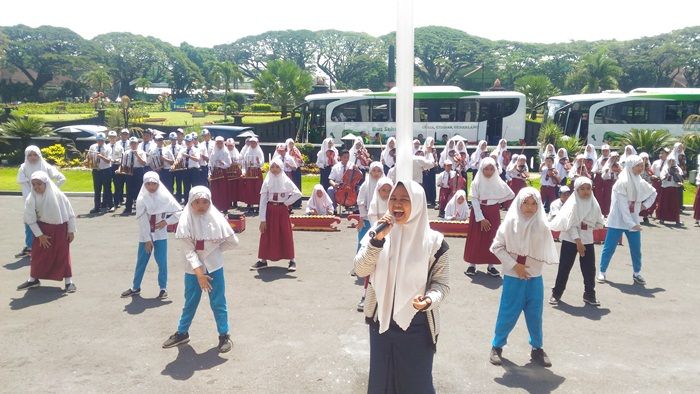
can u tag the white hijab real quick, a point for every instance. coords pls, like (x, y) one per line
(320, 204)
(579, 162)
(27, 168)
(493, 188)
(377, 206)
(577, 210)
(624, 155)
(233, 153)
(403, 263)
(591, 153)
(252, 153)
(325, 146)
(220, 154)
(279, 183)
(455, 210)
(50, 207)
(386, 156)
(524, 236)
(210, 226)
(630, 185)
(160, 201)
(367, 188)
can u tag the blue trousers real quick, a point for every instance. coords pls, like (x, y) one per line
(160, 249)
(362, 232)
(635, 240)
(28, 236)
(520, 296)
(217, 301)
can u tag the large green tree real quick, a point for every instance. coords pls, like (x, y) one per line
(226, 73)
(335, 51)
(283, 84)
(362, 71)
(595, 72)
(536, 88)
(97, 79)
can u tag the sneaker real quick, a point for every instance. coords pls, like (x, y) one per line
(111, 209)
(553, 300)
(495, 356)
(131, 293)
(600, 278)
(493, 271)
(361, 305)
(126, 212)
(590, 300)
(24, 252)
(94, 211)
(225, 343)
(176, 339)
(70, 288)
(540, 357)
(259, 265)
(471, 271)
(28, 285)
(638, 279)
(292, 266)
(163, 295)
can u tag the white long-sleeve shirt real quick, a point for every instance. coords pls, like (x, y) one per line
(213, 260)
(508, 262)
(145, 233)
(285, 198)
(620, 216)
(24, 178)
(576, 232)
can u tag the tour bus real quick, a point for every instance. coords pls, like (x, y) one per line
(440, 112)
(614, 112)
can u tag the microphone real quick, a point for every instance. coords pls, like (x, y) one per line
(377, 229)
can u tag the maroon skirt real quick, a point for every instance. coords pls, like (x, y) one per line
(476, 250)
(445, 196)
(696, 205)
(219, 194)
(515, 185)
(668, 209)
(606, 196)
(234, 186)
(277, 242)
(650, 211)
(51, 263)
(249, 192)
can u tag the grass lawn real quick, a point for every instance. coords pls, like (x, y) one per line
(62, 117)
(186, 119)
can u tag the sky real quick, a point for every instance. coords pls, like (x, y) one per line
(211, 22)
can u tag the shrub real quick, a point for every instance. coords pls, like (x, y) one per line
(311, 168)
(55, 154)
(644, 140)
(308, 152)
(261, 107)
(550, 133)
(213, 106)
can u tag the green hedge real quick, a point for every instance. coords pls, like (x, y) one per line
(261, 107)
(62, 107)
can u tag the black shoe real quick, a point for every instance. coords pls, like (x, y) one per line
(163, 295)
(111, 209)
(94, 211)
(225, 343)
(126, 212)
(176, 339)
(361, 305)
(495, 357)
(258, 266)
(292, 266)
(493, 271)
(70, 288)
(590, 300)
(130, 293)
(28, 285)
(540, 357)
(555, 300)
(24, 253)
(471, 271)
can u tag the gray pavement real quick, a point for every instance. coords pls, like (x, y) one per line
(300, 333)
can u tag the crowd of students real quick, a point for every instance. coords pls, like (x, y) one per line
(405, 264)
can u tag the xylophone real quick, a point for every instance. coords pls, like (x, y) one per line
(354, 217)
(451, 228)
(315, 222)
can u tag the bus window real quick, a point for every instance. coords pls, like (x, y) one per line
(446, 111)
(420, 110)
(354, 111)
(496, 108)
(627, 112)
(383, 110)
(467, 110)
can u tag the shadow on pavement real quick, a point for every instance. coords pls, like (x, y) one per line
(23, 262)
(483, 279)
(37, 296)
(139, 304)
(188, 361)
(273, 273)
(587, 311)
(636, 289)
(530, 377)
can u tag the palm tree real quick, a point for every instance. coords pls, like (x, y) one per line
(142, 83)
(227, 73)
(25, 128)
(646, 140)
(283, 84)
(594, 73)
(98, 79)
(537, 89)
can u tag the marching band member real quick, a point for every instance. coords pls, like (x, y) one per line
(277, 194)
(326, 158)
(447, 152)
(335, 178)
(562, 165)
(135, 159)
(33, 162)
(219, 162)
(549, 151)
(176, 187)
(205, 149)
(158, 160)
(119, 149)
(156, 208)
(191, 175)
(253, 160)
(101, 158)
(146, 145)
(50, 216)
(479, 154)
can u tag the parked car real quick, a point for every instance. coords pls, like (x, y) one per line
(227, 131)
(80, 132)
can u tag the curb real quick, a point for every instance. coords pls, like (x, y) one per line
(88, 194)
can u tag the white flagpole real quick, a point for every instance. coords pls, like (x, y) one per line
(404, 90)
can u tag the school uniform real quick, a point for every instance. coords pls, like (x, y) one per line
(118, 180)
(205, 151)
(295, 173)
(191, 175)
(277, 193)
(319, 205)
(487, 194)
(219, 162)
(609, 177)
(325, 163)
(364, 198)
(671, 180)
(548, 188)
(253, 159)
(177, 187)
(336, 175)
(233, 177)
(455, 210)
(135, 180)
(527, 241)
(429, 181)
(403, 339)
(517, 178)
(166, 176)
(696, 203)
(446, 182)
(146, 146)
(101, 176)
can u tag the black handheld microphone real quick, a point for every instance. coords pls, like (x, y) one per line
(377, 229)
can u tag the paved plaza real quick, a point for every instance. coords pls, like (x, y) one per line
(299, 332)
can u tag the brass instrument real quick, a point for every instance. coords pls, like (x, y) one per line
(91, 160)
(179, 163)
(155, 161)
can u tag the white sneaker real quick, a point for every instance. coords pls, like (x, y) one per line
(601, 277)
(638, 279)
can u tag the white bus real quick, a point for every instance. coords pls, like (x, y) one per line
(440, 112)
(613, 113)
